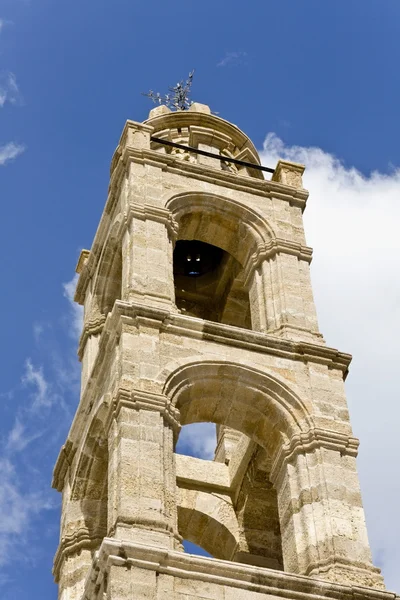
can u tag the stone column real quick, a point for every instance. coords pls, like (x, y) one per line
(142, 480)
(321, 516)
(257, 513)
(147, 257)
(257, 301)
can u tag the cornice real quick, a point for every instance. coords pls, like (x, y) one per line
(174, 322)
(215, 571)
(264, 187)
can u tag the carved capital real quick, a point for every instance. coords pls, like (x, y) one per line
(141, 400)
(152, 213)
(74, 544)
(271, 249)
(307, 442)
(92, 326)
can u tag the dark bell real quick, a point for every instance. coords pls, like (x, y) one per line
(194, 259)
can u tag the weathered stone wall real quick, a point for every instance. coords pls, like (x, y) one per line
(283, 493)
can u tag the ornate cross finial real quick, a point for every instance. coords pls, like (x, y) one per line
(180, 99)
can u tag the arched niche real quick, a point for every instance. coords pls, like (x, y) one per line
(267, 411)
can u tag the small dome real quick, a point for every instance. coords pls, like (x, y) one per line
(198, 128)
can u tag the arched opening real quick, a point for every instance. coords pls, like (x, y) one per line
(191, 548)
(240, 522)
(231, 237)
(255, 415)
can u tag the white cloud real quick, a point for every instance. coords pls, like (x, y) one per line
(1, 24)
(9, 91)
(34, 376)
(232, 58)
(18, 439)
(9, 152)
(76, 309)
(353, 222)
(16, 512)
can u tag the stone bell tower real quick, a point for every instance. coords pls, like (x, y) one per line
(198, 307)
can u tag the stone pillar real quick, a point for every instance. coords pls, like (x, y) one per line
(321, 517)
(257, 513)
(257, 301)
(147, 263)
(142, 480)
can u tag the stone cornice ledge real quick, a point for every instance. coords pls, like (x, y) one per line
(174, 322)
(220, 572)
(264, 187)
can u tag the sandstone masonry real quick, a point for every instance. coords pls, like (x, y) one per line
(238, 345)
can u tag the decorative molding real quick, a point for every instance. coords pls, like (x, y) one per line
(90, 327)
(306, 442)
(152, 213)
(141, 400)
(270, 249)
(74, 544)
(262, 187)
(224, 573)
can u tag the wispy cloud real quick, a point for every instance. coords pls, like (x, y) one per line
(9, 90)
(76, 311)
(232, 59)
(17, 508)
(18, 438)
(41, 390)
(9, 152)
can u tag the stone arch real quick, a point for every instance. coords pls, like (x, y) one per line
(108, 280)
(272, 415)
(241, 397)
(90, 478)
(232, 295)
(221, 221)
(209, 521)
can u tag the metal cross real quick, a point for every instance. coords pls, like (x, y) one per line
(180, 98)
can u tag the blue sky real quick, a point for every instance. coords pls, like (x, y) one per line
(323, 77)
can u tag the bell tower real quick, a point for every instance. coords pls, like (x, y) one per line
(198, 307)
